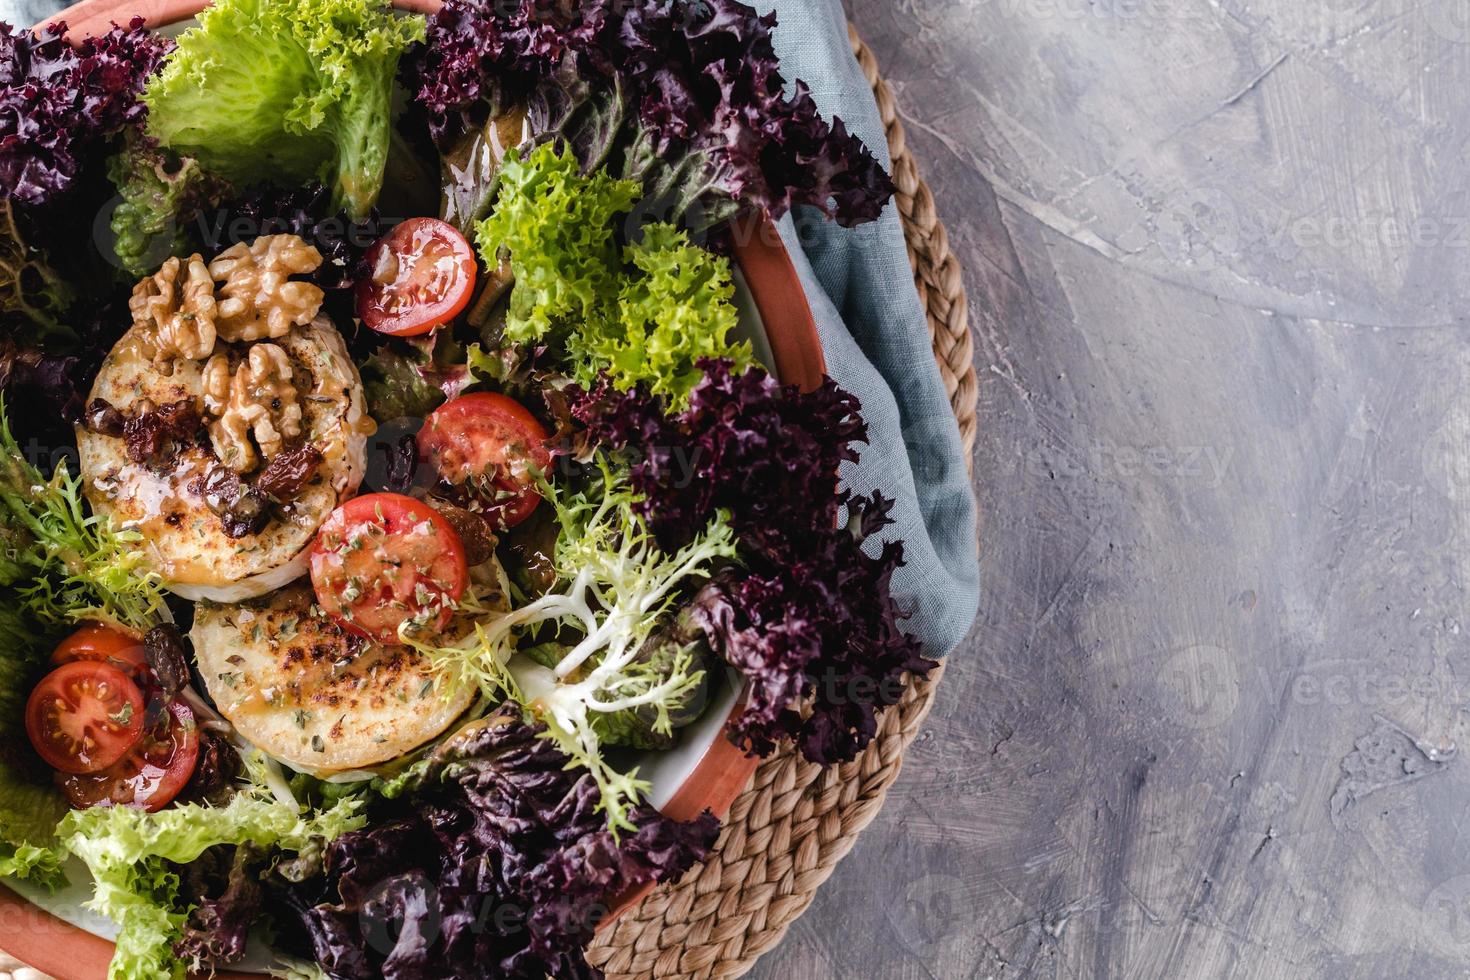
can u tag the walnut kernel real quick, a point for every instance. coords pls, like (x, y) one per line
(258, 298)
(176, 316)
(258, 401)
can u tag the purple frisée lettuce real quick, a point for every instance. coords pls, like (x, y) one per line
(59, 103)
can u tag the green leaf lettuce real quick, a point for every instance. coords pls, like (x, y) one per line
(286, 91)
(557, 226)
(130, 853)
(672, 313)
(646, 314)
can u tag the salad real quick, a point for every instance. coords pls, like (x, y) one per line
(410, 480)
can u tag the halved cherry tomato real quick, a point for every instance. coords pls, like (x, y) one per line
(494, 445)
(148, 777)
(84, 716)
(104, 645)
(423, 274)
(384, 559)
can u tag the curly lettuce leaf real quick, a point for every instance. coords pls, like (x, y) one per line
(673, 312)
(492, 862)
(76, 564)
(712, 127)
(615, 589)
(646, 315)
(158, 190)
(131, 855)
(556, 224)
(59, 103)
(286, 91)
(811, 620)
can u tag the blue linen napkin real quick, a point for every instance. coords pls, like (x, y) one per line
(875, 336)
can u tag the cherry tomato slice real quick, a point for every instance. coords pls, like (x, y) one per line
(423, 275)
(103, 644)
(493, 444)
(84, 716)
(150, 776)
(385, 559)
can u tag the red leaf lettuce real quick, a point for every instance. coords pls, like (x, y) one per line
(494, 863)
(58, 103)
(710, 130)
(811, 621)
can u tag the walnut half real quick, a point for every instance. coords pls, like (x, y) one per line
(257, 401)
(175, 310)
(258, 300)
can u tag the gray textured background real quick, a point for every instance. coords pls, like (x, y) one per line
(1218, 252)
(1206, 725)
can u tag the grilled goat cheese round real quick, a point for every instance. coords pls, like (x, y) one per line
(186, 541)
(302, 689)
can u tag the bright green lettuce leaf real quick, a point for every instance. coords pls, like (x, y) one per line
(673, 312)
(129, 853)
(78, 566)
(556, 224)
(286, 91)
(647, 315)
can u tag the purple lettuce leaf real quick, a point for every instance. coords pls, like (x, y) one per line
(767, 453)
(494, 862)
(811, 620)
(711, 85)
(58, 104)
(225, 902)
(482, 56)
(47, 382)
(710, 131)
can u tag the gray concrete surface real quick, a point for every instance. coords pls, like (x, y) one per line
(1206, 726)
(1219, 254)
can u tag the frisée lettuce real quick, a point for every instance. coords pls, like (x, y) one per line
(814, 605)
(76, 565)
(615, 588)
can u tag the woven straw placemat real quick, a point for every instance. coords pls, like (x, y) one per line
(787, 831)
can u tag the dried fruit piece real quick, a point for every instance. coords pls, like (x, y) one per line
(258, 400)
